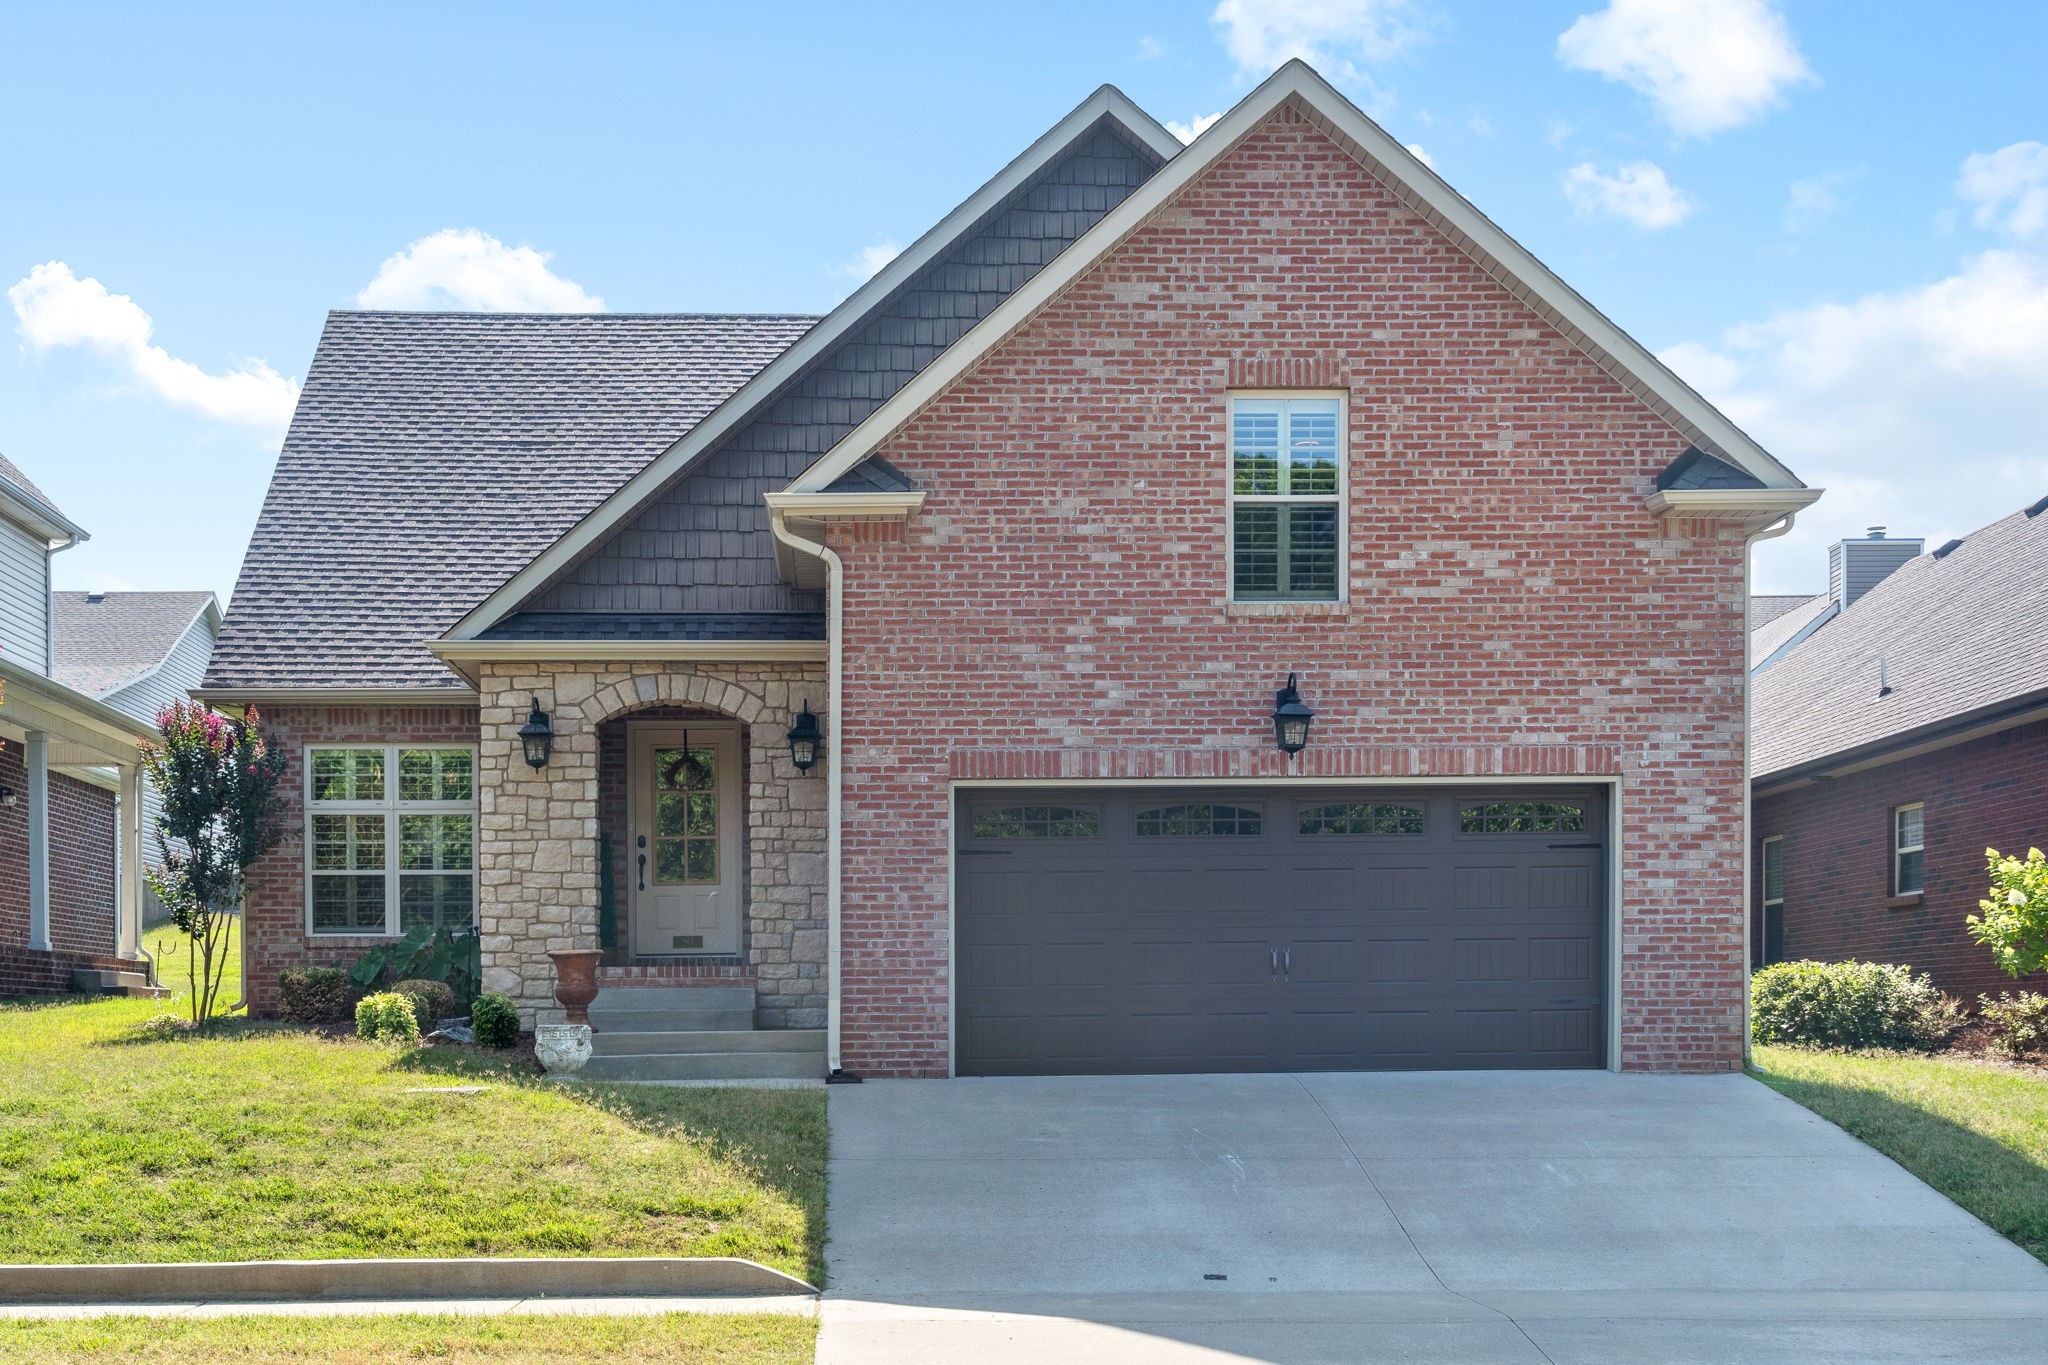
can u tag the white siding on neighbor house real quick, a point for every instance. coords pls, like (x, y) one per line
(24, 597)
(183, 668)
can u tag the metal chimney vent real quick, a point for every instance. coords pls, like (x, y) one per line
(1857, 566)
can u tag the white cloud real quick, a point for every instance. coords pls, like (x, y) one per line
(465, 270)
(54, 308)
(870, 260)
(1193, 128)
(1333, 36)
(1558, 132)
(2008, 188)
(1150, 49)
(1919, 409)
(1707, 65)
(1637, 193)
(1812, 201)
(1415, 150)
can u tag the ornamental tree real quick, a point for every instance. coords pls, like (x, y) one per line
(218, 782)
(2014, 925)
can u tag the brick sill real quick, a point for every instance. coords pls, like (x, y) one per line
(1907, 902)
(1284, 611)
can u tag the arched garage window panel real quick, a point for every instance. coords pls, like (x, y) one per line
(1522, 817)
(1038, 822)
(1179, 822)
(1361, 817)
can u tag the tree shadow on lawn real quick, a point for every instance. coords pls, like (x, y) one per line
(2003, 1187)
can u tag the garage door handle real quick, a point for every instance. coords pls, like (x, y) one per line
(1287, 963)
(1273, 959)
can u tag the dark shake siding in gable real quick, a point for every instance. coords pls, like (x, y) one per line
(704, 545)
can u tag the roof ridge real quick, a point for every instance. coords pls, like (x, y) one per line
(625, 315)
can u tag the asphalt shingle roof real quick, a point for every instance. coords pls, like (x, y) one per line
(12, 473)
(433, 454)
(1765, 608)
(105, 644)
(1956, 634)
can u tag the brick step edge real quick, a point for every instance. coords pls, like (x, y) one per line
(419, 1278)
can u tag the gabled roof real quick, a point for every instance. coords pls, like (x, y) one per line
(432, 454)
(1107, 107)
(1765, 608)
(1938, 642)
(1416, 185)
(108, 641)
(1695, 469)
(1787, 628)
(24, 502)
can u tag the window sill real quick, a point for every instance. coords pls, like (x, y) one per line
(1906, 902)
(1285, 611)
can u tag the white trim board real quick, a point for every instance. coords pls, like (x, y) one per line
(1416, 185)
(764, 387)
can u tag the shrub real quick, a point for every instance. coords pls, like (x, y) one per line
(162, 1026)
(312, 995)
(432, 1001)
(2014, 925)
(494, 1019)
(2017, 1020)
(1849, 1005)
(387, 1017)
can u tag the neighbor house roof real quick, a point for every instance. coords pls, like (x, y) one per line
(1940, 642)
(1765, 608)
(28, 503)
(433, 454)
(1786, 627)
(106, 641)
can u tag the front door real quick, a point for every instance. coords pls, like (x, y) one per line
(685, 844)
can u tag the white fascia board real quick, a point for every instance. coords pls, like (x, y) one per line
(785, 368)
(1731, 501)
(614, 651)
(827, 506)
(1421, 188)
(30, 701)
(39, 517)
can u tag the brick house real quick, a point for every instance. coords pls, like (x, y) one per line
(1055, 529)
(1901, 729)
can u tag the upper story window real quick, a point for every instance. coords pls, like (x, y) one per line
(1287, 499)
(1909, 849)
(390, 839)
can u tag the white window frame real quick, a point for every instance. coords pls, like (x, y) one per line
(390, 808)
(1901, 849)
(1342, 497)
(1770, 902)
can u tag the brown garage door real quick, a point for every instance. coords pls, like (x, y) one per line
(1118, 930)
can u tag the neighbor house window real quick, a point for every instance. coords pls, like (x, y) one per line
(1909, 850)
(391, 839)
(1772, 949)
(1286, 494)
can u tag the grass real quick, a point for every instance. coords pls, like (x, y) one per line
(167, 943)
(1976, 1130)
(261, 1142)
(698, 1339)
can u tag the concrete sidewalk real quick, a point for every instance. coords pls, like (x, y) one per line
(1540, 1216)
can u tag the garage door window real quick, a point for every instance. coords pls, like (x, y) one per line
(1180, 822)
(1522, 817)
(1038, 822)
(1354, 817)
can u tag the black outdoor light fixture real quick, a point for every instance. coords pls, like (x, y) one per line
(804, 737)
(537, 736)
(1291, 718)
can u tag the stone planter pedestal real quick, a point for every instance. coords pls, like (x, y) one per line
(562, 1048)
(576, 981)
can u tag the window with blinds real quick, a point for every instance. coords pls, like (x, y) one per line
(1286, 483)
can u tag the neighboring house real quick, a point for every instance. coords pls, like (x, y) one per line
(1037, 526)
(137, 652)
(70, 786)
(1901, 723)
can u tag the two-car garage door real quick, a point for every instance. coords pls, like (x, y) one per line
(1268, 929)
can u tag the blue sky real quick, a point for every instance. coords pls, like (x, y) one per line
(1831, 218)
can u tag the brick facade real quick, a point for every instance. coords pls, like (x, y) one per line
(1987, 793)
(1059, 606)
(84, 881)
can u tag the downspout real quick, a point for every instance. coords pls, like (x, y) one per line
(1770, 532)
(835, 591)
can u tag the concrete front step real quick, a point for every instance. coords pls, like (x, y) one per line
(669, 1020)
(704, 1066)
(710, 1040)
(94, 981)
(669, 997)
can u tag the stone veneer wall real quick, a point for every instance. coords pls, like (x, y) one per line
(537, 837)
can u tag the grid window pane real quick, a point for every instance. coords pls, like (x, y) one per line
(1038, 822)
(1257, 570)
(348, 775)
(436, 775)
(1912, 826)
(1309, 550)
(429, 843)
(439, 900)
(1172, 822)
(348, 843)
(1255, 447)
(1358, 817)
(348, 904)
(1774, 869)
(1311, 447)
(1522, 817)
(1912, 872)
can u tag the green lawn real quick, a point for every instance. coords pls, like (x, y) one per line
(174, 969)
(1975, 1130)
(262, 1142)
(698, 1339)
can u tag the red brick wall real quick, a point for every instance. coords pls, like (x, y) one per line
(1988, 793)
(1061, 598)
(83, 861)
(275, 927)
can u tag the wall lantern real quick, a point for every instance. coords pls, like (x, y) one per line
(537, 736)
(7, 797)
(804, 737)
(1291, 718)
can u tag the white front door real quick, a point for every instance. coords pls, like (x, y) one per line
(685, 843)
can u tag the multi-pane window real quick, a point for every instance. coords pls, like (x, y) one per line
(1360, 817)
(686, 817)
(1772, 949)
(1522, 817)
(1179, 822)
(1037, 822)
(391, 835)
(1286, 484)
(1909, 849)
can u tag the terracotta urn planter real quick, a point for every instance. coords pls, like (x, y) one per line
(576, 982)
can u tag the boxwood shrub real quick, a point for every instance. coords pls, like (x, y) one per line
(313, 995)
(1849, 1005)
(432, 1001)
(387, 1017)
(494, 1019)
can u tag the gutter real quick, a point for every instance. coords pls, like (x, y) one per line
(835, 597)
(1770, 532)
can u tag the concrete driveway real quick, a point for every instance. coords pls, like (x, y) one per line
(1470, 1217)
